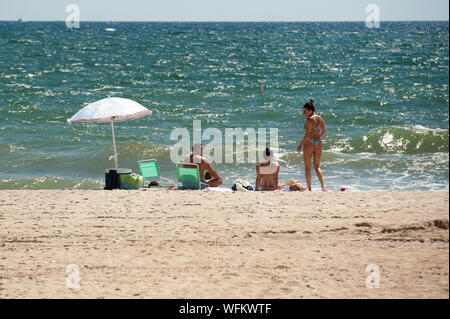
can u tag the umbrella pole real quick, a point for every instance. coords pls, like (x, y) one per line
(114, 143)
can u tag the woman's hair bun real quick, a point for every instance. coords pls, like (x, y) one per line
(310, 105)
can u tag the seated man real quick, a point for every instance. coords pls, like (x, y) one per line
(196, 157)
(267, 173)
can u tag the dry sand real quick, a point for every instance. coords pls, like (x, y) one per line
(194, 244)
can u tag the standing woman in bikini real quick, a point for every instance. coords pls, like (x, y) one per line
(311, 144)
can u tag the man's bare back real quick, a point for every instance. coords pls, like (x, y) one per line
(204, 166)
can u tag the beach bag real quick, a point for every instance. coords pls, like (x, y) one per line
(295, 186)
(241, 185)
(131, 181)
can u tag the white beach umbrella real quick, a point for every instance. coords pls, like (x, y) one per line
(110, 110)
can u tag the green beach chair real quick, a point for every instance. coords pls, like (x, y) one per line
(149, 170)
(189, 177)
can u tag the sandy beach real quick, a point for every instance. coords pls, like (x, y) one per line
(195, 244)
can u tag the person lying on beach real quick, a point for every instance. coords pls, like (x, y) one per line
(267, 173)
(204, 165)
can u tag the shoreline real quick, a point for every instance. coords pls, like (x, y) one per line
(193, 244)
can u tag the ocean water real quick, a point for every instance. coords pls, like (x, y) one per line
(383, 94)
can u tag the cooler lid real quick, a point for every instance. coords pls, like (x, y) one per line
(119, 170)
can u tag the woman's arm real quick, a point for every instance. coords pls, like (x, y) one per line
(258, 177)
(309, 126)
(324, 128)
(275, 179)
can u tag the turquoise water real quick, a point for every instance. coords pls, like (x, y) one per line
(382, 92)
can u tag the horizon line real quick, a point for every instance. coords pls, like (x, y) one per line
(223, 21)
